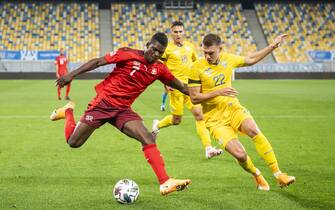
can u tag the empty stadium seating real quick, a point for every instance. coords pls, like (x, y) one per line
(310, 27)
(50, 26)
(134, 24)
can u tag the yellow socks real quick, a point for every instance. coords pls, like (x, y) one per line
(248, 166)
(165, 122)
(265, 150)
(203, 133)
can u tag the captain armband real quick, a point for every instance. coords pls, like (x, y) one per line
(191, 81)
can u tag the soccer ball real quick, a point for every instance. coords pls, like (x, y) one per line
(126, 191)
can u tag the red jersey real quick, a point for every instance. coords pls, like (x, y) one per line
(61, 62)
(131, 76)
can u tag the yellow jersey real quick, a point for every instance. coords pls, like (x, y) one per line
(180, 59)
(211, 77)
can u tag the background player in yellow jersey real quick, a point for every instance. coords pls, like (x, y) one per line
(179, 56)
(224, 116)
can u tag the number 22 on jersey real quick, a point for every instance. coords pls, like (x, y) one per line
(219, 80)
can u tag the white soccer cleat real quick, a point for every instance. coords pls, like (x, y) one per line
(212, 152)
(155, 129)
(162, 108)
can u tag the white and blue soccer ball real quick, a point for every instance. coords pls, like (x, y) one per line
(126, 191)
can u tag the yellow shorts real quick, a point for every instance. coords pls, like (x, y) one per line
(227, 121)
(177, 102)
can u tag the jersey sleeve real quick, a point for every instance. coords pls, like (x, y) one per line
(119, 56)
(194, 76)
(164, 57)
(236, 60)
(165, 75)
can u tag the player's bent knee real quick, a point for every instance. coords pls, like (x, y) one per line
(241, 155)
(252, 131)
(176, 120)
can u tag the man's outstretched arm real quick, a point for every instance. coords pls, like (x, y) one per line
(255, 57)
(177, 84)
(89, 66)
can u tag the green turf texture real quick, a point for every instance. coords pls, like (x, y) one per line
(39, 171)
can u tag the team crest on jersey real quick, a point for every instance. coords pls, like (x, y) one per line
(153, 71)
(224, 64)
(187, 48)
(184, 59)
(208, 71)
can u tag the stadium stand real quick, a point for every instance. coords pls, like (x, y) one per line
(310, 26)
(133, 24)
(50, 26)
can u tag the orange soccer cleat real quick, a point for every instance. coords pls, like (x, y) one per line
(285, 180)
(59, 113)
(172, 185)
(261, 183)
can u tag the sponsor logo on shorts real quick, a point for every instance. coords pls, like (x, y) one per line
(89, 118)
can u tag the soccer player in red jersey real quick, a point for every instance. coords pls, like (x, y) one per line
(134, 71)
(61, 69)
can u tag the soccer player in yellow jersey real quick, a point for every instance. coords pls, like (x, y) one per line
(224, 116)
(179, 56)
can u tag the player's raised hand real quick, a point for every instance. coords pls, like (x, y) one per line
(64, 80)
(279, 40)
(231, 92)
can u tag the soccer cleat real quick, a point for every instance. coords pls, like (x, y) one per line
(155, 129)
(172, 185)
(67, 98)
(162, 108)
(212, 152)
(59, 98)
(59, 113)
(261, 183)
(285, 180)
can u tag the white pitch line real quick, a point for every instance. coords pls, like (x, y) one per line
(187, 117)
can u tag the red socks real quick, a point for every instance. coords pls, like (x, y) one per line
(68, 87)
(155, 159)
(70, 124)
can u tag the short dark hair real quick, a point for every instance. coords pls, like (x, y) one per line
(177, 23)
(211, 39)
(161, 38)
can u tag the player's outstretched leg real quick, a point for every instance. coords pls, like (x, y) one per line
(235, 148)
(138, 131)
(75, 135)
(265, 150)
(165, 122)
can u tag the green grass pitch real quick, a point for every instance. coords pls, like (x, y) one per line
(39, 171)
